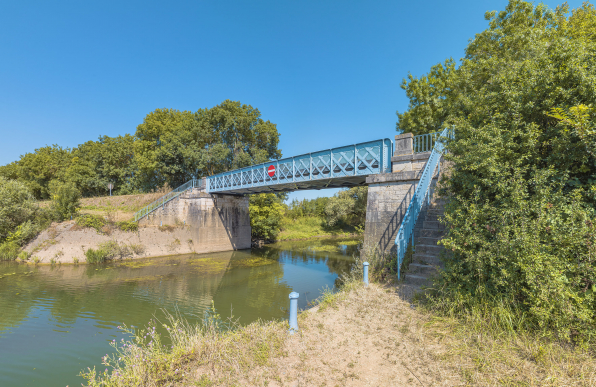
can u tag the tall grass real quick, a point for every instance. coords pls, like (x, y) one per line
(222, 351)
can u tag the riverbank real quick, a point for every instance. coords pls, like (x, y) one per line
(357, 337)
(67, 242)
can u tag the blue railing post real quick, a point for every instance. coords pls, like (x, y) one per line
(293, 312)
(365, 273)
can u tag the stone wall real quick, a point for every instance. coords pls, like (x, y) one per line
(216, 222)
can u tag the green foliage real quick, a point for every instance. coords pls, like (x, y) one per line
(9, 251)
(266, 211)
(172, 146)
(347, 207)
(130, 226)
(96, 256)
(65, 199)
(17, 206)
(307, 208)
(91, 221)
(522, 191)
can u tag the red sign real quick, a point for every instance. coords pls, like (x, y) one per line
(271, 170)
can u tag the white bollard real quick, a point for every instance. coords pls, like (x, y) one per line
(365, 273)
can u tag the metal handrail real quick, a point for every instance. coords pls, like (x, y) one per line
(194, 183)
(425, 142)
(422, 195)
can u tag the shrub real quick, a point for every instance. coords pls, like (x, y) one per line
(23, 255)
(128, 226)
(23, 233)
(266, 211)
(91, 221)
(96, 256)
(17, 206)
(65, 199)
(138, 249)
(9, 251)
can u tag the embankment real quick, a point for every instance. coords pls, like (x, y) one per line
(66, 242)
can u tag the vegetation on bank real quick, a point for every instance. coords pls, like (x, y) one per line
(522, 193)
(340, 215)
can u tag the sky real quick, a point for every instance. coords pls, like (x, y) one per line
(327, 73)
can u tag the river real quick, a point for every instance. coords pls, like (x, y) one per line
(58, 320)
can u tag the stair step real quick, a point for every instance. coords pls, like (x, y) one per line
(429, 249)
(433, 225)
(417, 280)
(430, 233)
(427, 259)
(421, 269)
(431, 241)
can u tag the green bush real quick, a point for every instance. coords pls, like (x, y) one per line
(95, 256)
(128, 226)
(266, 211)
(65, 199)
(91, 221)
(24, 233)
(9, 251)
(17, 206)
(522, 190)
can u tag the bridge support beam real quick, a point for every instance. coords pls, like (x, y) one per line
(215, 222)
(389, 195)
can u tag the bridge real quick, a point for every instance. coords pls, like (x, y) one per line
(400, 178)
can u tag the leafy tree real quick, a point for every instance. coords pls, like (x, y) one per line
(521, 192)
(17, 206)
(65, 199)
(347, 207)
(266, 211)
(173, 147)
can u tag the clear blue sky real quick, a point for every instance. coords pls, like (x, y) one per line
(326, 72)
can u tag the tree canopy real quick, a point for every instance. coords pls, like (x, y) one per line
(169, 147)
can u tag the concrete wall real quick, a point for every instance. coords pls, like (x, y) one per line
(216, 222)
(389, 195)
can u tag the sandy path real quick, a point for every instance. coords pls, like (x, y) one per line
(371, 338)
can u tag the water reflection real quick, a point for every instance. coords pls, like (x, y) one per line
(54, 321)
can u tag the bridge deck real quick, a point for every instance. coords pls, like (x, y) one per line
(346, 166)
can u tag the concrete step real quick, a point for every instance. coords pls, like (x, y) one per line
(431, 241)
(433, 225)
(422, 269)
(427, 259)
(430, 233)
(433, 217)
(416, 280)
(429, 249)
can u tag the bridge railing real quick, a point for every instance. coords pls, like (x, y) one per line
(353, 160)
(422, 196)
(425, 142)
(194, 183)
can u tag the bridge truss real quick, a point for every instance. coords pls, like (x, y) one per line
(347, 166)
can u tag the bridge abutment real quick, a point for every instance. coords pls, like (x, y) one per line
(216, 222)
(389, 195)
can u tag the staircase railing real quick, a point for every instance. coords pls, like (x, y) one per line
(194, 183)
(422, 195)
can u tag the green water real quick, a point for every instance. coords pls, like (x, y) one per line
(56, 321)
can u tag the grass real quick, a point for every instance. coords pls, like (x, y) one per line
(310, 227)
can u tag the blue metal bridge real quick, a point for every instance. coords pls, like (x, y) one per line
(347, 166)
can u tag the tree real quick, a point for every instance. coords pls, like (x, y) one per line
(65, 199)
(17, 206)
(522, 190)
(266, 211)
(347, 207)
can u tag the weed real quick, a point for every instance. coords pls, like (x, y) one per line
(9, 251)
(129, 226)
(91, 221)
(75, 260)
(138, 249)
(23, 255)
(52, 261)
(167, 228)
(36, 260)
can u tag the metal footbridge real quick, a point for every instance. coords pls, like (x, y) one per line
(346, 166)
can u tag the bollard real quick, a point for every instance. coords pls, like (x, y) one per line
(365, 273)
(293, 312)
